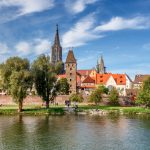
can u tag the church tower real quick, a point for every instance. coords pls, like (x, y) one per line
(100, 66)
(71, 71)
(56, 50)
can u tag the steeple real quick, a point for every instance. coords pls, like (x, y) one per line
(57, 41)
(100, 66)
(56, 50)
(70, 57)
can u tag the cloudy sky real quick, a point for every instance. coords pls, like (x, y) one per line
(117, 29)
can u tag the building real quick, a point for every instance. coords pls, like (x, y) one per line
(56, 50)
(138, 81)
(71, 71)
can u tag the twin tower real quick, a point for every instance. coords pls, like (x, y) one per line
(70, 64)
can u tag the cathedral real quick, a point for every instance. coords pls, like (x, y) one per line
(86, 80)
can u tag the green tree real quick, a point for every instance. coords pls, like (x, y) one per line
(103, 89)
(45, 78)
(114, 97)
(143, 97)
(17, 78)
(96, 96)
(63, 86)
(76, 97)
(19, 84)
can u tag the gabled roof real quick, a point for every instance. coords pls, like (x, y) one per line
(140, 78)
(70, 57)
(88, 79)
(120, 79)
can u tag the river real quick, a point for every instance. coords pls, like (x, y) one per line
(74, 132)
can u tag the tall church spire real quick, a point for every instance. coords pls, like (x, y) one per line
(100, 66)
(56, 50)
(57, 41)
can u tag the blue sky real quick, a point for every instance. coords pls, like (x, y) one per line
(117, 29)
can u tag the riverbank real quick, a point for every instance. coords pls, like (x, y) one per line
(82, 109)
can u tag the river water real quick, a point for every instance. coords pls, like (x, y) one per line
(70, 132)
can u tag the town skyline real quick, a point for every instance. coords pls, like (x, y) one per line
(93, 28)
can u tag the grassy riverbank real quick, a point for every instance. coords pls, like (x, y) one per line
(59, 110)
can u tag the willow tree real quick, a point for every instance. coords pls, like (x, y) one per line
(45, 78)
(17, 78)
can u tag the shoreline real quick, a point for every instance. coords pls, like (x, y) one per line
(82, 110)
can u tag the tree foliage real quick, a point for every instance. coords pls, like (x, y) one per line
(114, 97)
(143, 97)
(17, 78)
(63, 86)
(103, 89)
(45, 77)
(96, 96)
(76, 97)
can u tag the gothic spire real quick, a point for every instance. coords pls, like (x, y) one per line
(101, 67)
(57, 41)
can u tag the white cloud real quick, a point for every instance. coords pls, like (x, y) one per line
(23, 7)
(4, 48)
(119, 23)
(42, 46)
(81, 33)
(78, 5)
(35, 47)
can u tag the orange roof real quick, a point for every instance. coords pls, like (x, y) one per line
(84, 72)
(102, 78)
(61, 76)
(120, 79)
(88, 79)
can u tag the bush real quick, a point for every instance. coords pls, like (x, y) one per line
(113, 97)
(76, 97)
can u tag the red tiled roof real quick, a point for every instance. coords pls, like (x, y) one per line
(120, 79)
(88, 79)
(140, 78)
(61, 76)
(84, 72)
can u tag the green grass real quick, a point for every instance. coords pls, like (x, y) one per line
(31, 110)
(59, 110)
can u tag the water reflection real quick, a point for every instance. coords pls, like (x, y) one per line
(74, 133)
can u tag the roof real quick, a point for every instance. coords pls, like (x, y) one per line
(120, 79)
(70, 57)
(84, 72)
(62, 76)
(140, 78)
(88, 79)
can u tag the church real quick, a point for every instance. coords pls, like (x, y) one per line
(86, 80)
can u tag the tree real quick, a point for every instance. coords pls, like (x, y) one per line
(45, 78)
(103, 89)
(76, 97)
(17, 78)
(114, 97)
(96, 96)
(143, 97)
(19, 84)
(63, 86)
